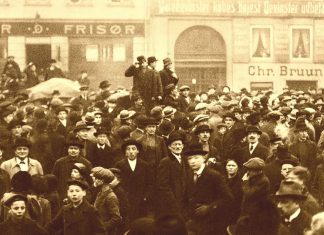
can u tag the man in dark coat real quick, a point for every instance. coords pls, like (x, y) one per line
(228, 140)
(14, 66)
(184, 99)
(53, 71)
(137, 71)
(136, 179)
(171, 96)
(210, 196)
(254, 148)
(152, 87)
(63, 166)
(168, 75)
(290, 196)
(173, 179)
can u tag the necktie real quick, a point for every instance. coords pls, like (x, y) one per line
(196, 176)
(251, 148)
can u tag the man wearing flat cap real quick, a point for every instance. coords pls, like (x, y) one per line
(167, 74)
(152, 91)
(254, 148)
(289, 198)
(210, 197)
(256, 185)
(136, 178)
(137, 71)
(184, 99)
(172, 178)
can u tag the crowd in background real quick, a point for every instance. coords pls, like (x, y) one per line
(159, 159)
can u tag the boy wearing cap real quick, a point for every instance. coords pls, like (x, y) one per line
(78, 217)
(17, 223)
(63, 124)
(209, 195)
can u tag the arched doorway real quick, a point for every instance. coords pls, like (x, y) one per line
(200, 55)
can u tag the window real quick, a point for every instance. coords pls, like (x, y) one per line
(261, 42)
(301, 43)
(92, 53)
(37, 2)
(119, 52)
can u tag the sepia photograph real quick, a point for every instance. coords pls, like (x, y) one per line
(162, 117)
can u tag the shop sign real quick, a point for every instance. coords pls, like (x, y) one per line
(280, 8)
(72, 29)
(287, 71)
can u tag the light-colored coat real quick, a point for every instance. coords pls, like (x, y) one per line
(11, 166)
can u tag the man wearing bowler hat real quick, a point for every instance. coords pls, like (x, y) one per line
(22, 161)
(209, 195)
(152, 87)
(53, 71)
(137, 71)
(289, 198)
(168, 75)
(172, 179)
(253, 147)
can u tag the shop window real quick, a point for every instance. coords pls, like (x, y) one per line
(119, 52)
(92, 53)
(301, 43)
(261, 42)
(37, 2)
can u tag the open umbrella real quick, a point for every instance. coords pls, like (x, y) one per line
(66, 87)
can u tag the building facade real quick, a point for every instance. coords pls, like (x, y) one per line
(101, 37)
(253, 44)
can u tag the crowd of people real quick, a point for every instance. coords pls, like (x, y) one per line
(160, 159)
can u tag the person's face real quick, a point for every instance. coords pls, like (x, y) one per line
(196, 161)
(75, 193)
(244, 115)
(97, 182)
(84, 75)
(8, 118)
(229, 122)
(18, 209)
(62, 115)
(75, 174)
(98, 119)
(231, 167)
(174, 92)
(22, 152)
(253, 137)
(176, 147)
(204, 136)
(274, 146)
(102, 139)
(204, 97)
(302, 135)
(139, 102)
(318, 120)
(17, 130)
(111, 105)
(185, 92)
(238, 116)
(292, 177)
(131, 152)
(287, 207)
(222, 130)
(285, 169)
(83, 134)
(150, 129)
(73, 151)
(153, 64)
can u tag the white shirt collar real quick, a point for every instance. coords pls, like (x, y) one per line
(295, 215)
(199, 172)
(63, 122)
(132, 164)
(100, 146)
(23, 167)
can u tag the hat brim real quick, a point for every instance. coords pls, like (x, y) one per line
(138, 145)
(259, 132)
(301, 129)
(194, 152)
(290, 196)
(203, 130)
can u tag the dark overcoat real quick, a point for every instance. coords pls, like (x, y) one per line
(25, 226)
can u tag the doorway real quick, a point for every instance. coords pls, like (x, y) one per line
(39, 54)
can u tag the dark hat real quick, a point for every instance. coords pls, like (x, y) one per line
(84, 87)
(175, 135)
(255, 129)
(139, 120)
(194, 148)
(81, 183)
(22, 142)
(237, 110)
(202, 128)
(142, 226)
(81, 168)
(283, 152)
(165, 128)
(13, 123)
(151, 59)
(100, 131)
(291, 160)
(124, 131)
(167, 61)
(168, 111)
(141, 58)
(275, 138)
(230, 115)
(135, 97)
(290, 189)
(56, 92)
(14, 198)
(73, 141)
(157, 112)
(89, 119)
(254, 118)
(104, 84)
(21, 181)
(80, 126)
(61, 109)
(254, 164)
(300, 125)
(103, 174)
(10, 56)
(184, 87)
(220, 125)
(52, 61)
(150, 121)
(131, 142)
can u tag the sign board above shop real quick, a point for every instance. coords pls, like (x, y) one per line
(72, 29)
(241, 8)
